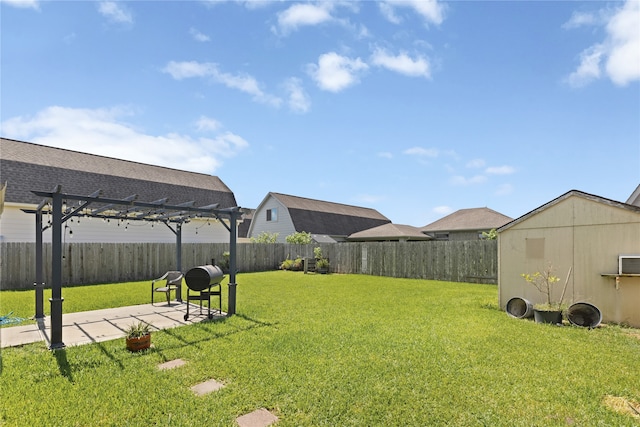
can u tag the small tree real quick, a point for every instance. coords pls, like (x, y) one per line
(544, 282)
(299, 238)
(265, 237)
(490, 235)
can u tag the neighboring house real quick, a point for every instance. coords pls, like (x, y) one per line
(285, 215)
(389, 233)
(26, 166)
(582, 232)
(243, 227)
(465, 224)
(634, 199)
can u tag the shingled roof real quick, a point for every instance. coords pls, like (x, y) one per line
(634, 198)
(333, 219)
(468, 219)
(571, 193)
(26, 166)
(389, 232)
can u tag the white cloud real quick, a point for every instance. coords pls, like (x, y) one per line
(463, 181)
(589, 68)
(188, 69)
(207, 124)
(303, 14)
(104, 132)
(198, 36)
(476, 163)
(402, 63)
(298, 101)
(623, 65)
(618, 55)
(579, 19)
(500, 170)
(389, 13)
(25, 4)
(115, 12)
(422, 152)
(443, 210)
(430, 10)
(385, 155)
(249, 4)
(335, 72)
(242, 82)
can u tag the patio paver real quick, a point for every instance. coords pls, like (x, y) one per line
(206, 387)
(258, 418)
(171, 364)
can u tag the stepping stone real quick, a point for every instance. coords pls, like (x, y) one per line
(206, 387)
(258, 418)
(171, 364)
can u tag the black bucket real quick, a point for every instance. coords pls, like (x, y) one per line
(519, 308)
(584, 314)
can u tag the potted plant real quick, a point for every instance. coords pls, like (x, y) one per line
(297, 264)
(138, 336)
(322, 263)
(287, 264)
(544, 281)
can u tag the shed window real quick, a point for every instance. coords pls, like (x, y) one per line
(272, 214)
(535, 248)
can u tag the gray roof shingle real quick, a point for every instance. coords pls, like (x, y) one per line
(468, 219)
(26, 166)
(390, 232)
(334, 219)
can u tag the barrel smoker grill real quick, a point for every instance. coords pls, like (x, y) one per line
(201, 280)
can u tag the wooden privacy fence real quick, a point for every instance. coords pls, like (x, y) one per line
(83, 263)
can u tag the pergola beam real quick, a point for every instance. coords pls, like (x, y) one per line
(172, 214)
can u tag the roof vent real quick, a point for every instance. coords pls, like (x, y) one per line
(629, 264)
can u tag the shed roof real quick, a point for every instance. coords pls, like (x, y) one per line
(571, 193)
(468, 219)
(27, 166)
(334, 219)
(390, 232)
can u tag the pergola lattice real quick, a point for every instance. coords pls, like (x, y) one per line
(63, 207)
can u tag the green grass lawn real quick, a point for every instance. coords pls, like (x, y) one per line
(330, 350)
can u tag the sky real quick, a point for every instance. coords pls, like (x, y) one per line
(414, 108)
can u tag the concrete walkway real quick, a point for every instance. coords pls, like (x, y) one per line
(104, 325)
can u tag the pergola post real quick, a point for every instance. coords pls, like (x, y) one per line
(56, 272)
(179, 254)
(233, 237)
(39, 283)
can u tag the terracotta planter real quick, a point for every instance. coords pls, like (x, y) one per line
(138, 344)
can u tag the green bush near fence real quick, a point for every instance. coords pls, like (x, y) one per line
(335, 350)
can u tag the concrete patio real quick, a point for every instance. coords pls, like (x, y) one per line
(104, 325)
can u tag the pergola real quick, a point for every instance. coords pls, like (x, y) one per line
(62, 207)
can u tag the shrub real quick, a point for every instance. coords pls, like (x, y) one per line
(299, 238)
(265, 237)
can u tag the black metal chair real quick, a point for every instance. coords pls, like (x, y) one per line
(173, 283)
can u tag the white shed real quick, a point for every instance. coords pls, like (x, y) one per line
(585, 233)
